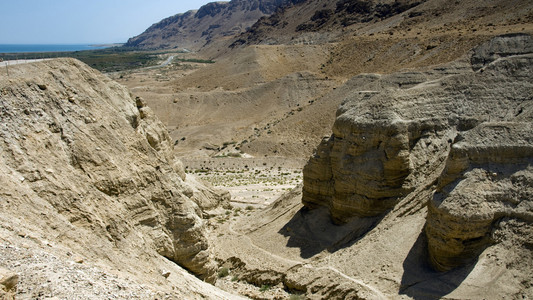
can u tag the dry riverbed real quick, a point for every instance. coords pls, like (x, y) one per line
(252, 188)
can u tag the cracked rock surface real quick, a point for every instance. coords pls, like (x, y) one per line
(89, 172)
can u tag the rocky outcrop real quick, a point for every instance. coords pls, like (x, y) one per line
(467, 128)
(81, 159)
(488, 178)
(376, 156)
(500, 47)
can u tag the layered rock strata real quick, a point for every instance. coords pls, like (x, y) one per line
(81, 159)
(473, 122)
(488, 178)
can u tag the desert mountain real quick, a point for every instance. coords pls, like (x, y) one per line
(317, 22)
(93, 203)
(212, 22)
(275, 92)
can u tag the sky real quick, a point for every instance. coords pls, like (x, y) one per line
(83, 21)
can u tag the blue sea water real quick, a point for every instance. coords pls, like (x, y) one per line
(26, 48)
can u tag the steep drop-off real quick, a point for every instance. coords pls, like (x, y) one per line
(88, 176)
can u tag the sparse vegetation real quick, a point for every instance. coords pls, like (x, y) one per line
(195, 60)
(114, 59)
(223, 272)
(233, 178)
(265, 287)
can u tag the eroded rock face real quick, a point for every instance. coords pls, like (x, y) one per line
(500, 47)
(382, 147)
(76, 151)
(488, 178)
(469, 130)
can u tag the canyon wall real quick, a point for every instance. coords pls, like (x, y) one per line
(463, 128)
(86, 166)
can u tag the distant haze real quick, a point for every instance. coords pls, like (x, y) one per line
(83, 22)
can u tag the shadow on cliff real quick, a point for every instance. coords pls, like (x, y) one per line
(420, 281)
(312, 231)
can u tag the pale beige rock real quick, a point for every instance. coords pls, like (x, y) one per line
(87, 168)
(462, 143)
(8, 280)
(488, 178)
(385, 142)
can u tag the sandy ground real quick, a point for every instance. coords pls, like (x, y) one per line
(253, 188)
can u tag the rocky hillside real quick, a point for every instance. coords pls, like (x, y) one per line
(319, 21)
(93, 203)
(212, 22)
(458, 138)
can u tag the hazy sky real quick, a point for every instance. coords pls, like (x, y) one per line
(83, 21)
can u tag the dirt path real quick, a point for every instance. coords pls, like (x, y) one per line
(275, 256)
(168, 61)
(304, 263)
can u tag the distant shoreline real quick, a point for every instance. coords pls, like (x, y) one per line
(42, 48)
(107, 45)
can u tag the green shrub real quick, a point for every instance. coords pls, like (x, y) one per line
(195, 60)
(264, 288)
(223, 272)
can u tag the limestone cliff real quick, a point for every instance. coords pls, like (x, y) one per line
(487, 182)
(465, 125)
(89, 169)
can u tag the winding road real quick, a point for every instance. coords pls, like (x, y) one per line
(168, 61)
